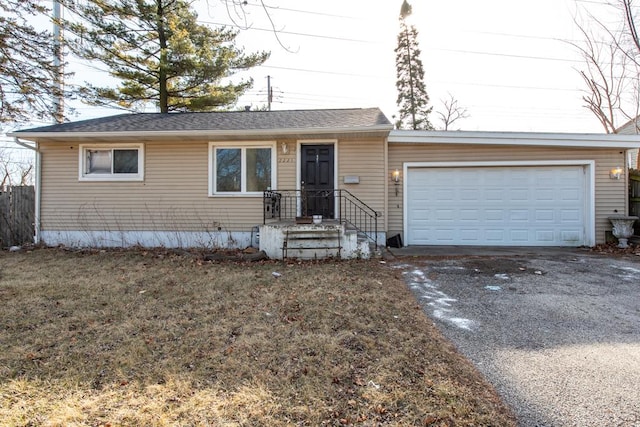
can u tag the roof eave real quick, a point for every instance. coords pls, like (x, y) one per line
(516, 138)
(203, 134)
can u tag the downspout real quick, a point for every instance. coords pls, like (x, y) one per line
(36, 225)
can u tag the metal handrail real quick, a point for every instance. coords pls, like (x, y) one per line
(289, 204)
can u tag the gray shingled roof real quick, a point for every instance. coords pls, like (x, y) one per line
(354, 119)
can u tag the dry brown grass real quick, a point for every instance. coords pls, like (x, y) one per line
(154, 338)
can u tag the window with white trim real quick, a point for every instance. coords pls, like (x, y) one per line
(242, 170)
(111, 163)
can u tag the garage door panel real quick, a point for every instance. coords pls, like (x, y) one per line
(444, 195)
(470, 195)
(444, 215)
(494, 235)
(493, 195)
(545, 179)
(526, 206)
(546, 215)
(570, 194)
(570, 216)
(445, 234)
(544, 236)
(469, 215)
(469, 235)
(575, 235)
(521, 235)
(519, 194)
(569, 173)
(519, 215)
(493, 177)
(545, 194)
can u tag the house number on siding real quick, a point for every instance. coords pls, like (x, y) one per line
(285, 160)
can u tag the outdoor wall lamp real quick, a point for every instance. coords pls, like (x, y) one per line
(395, 177)
(615, 173)
(285, 148)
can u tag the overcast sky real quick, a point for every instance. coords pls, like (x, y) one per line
(509, 62)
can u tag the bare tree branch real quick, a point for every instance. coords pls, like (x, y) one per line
(452, 112)
(236, 11)
(611, 67)
(14, 171)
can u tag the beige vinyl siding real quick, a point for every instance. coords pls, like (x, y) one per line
(366, 160)
(174, 193)
(287, 165)
(610, 195)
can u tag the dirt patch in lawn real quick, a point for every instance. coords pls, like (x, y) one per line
(158, 338)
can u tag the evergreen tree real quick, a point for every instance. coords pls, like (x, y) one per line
(28, 75)
(412, 99)
(161, 55)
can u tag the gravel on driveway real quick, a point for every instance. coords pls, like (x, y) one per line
(558, 336)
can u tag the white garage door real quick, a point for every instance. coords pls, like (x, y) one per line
(499, 206)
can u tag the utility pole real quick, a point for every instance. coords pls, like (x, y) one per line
(58, 62)
(269, 93)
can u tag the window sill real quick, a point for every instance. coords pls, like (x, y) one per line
(240, 195)
(111, 178)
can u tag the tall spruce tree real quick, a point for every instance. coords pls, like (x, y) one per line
(160, 53)
(413, 99)
(28, 75)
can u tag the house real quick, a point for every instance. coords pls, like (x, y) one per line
(216, 179)
(632, 127)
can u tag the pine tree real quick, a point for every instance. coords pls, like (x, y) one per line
(413, 99)
(161, 55)
(27, 73)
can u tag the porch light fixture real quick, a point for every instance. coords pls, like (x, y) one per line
(285, 148)
(395, 177)
(615, 173)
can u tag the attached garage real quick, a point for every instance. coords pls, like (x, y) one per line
(505, 188)
(498, 204)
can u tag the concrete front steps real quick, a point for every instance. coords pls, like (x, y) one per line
(329, 239)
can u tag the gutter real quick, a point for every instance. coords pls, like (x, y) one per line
(36, 224)
(582, 140)
(199, 133)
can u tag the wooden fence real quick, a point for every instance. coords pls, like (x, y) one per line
(634, 200)
(17, 215)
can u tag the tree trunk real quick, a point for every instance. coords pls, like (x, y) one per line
(162, 71)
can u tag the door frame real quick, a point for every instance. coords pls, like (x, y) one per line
(299, 145)
(589, 167)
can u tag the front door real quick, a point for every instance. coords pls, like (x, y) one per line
(317, 184)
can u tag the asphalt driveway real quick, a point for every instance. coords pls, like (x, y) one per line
(558, 334)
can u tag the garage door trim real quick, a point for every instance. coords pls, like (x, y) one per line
(589, 168)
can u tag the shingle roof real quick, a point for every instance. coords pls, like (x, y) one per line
(355, 119)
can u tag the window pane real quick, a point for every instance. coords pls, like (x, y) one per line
(258, 169)
(228, 169)
(125, 161)
(98, 161)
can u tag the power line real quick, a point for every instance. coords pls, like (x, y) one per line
(331, 15)
(271, 30)
(509, 86)
(508, 55)
(319, 95)
(336, 73)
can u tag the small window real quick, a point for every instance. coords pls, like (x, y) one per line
(102, 163)
(242, 170)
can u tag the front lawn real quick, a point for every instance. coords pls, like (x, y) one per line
(158, 338)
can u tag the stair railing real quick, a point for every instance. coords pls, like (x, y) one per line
(282, 205)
